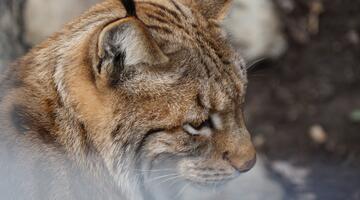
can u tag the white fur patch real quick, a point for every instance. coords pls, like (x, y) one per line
(217, 121)
(203, 132)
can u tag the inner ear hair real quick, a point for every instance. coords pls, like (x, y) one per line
(124, 44)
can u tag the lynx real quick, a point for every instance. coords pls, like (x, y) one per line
(128, 93)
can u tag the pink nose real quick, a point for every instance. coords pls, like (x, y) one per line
(247, 166)
(240, 163)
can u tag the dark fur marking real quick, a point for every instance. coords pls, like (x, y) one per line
(126, 144)
(178, 8)
(226, 62)
(170, 20)
(19, 118)
(118, 159)
(171, 12)
(200, 102)
(45, 135)
(214, 47)
(159, 29)
(162, 156)
(203, 45)
(89, 149)
(143, 140)
(208, 72)
(130, 7)
(99, 66)
(59, 102)
(158, 18)
(115, 132)
(25, 121)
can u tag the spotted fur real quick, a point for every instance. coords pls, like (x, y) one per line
(124, 90)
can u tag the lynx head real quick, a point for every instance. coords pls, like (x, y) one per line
(161, 92)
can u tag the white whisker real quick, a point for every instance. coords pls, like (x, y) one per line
(253, 64)
(172, 184)
(144, 172)
(161, 177)
(153, 170)
(180, 193)
(169, 179)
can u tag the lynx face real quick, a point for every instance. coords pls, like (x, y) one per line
(182, 87)
(159, 88)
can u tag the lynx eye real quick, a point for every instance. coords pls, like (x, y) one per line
(199, 129)
(205, 124)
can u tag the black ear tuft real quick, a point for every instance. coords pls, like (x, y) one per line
(130, 7)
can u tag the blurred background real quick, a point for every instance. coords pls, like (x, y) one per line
(303, 104)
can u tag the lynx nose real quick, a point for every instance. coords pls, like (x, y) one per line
(241, 162)
(246, 166)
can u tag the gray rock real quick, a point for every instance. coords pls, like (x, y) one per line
(256, 29)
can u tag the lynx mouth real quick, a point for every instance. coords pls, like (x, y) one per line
(211, 181)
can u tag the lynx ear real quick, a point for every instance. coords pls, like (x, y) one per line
(126, 43)
(212, 9)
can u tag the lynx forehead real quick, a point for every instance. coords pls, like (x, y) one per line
(127, 89)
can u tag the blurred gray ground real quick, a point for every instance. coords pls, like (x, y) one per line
(301, 105)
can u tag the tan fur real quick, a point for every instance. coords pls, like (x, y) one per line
(75, 118)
